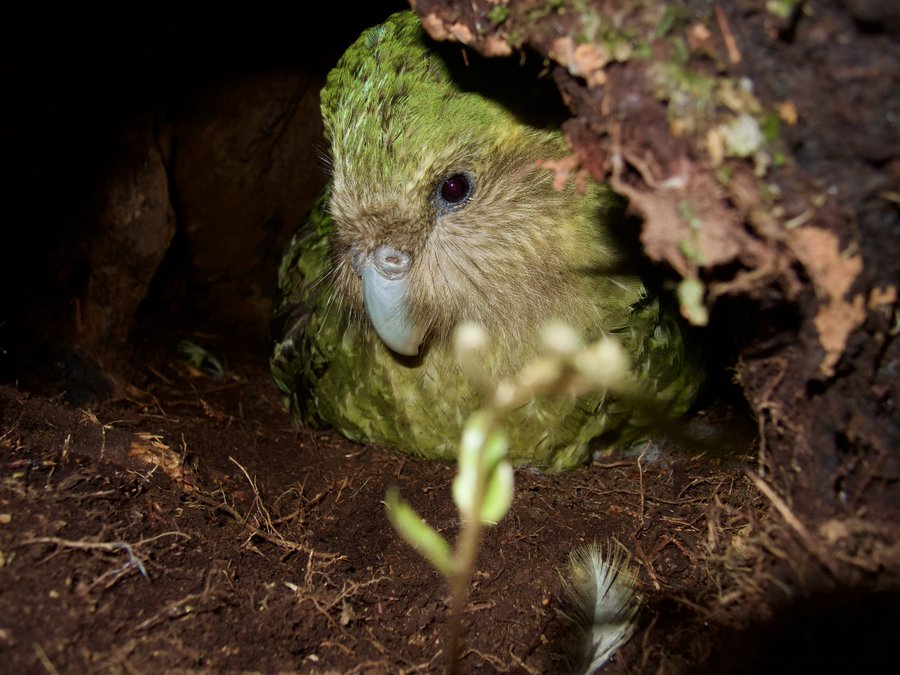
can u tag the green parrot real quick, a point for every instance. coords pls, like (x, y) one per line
(439, 211)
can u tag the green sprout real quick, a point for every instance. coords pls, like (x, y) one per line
(781, 8)
(483, 486)
(690, 298)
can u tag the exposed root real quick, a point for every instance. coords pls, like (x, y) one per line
(268, 532)
(813, 545)
(134, 561)
(258, 521)
(189, 604)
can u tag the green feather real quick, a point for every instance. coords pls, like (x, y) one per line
(519, 253)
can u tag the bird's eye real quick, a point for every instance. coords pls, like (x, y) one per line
(455, 189)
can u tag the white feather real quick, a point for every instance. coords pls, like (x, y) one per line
(604, 603)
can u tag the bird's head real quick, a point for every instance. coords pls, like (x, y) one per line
(441, 210)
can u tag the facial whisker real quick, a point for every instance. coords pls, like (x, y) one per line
(328, 306)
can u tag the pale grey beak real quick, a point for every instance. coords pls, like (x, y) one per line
(385, 278)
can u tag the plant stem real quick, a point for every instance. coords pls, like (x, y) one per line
(460, 586)
(465, 557)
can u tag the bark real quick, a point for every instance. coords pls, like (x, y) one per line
(246, 172)
(134, 227)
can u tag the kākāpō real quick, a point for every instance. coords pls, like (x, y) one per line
(441, 210)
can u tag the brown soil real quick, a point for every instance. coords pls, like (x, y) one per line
(191, 525)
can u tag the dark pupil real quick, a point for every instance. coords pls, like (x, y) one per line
(455, 188)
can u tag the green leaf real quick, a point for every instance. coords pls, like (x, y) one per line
(690, 297)
(474, 436)
(419, 534)
(498, 495)
(494, 450)
(481, 453)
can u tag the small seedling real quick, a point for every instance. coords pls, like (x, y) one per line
(483, 486)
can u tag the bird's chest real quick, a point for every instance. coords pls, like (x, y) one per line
(415, 405)
(419, 406)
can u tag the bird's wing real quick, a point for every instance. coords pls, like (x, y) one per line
(301, 307)
(668, 370)
(663, 359)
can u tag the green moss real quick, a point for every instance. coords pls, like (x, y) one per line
(697, 103)
(724, 174)
(680, 53)
(515, 38)
(771, 126)
(689, 94)
(679, 78)
(498, 14)
(769, 193)
(781, 8)
(549, 8)
(673, 16)
(642, 51)
(686, 211)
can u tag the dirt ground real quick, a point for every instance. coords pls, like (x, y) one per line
(191, 526)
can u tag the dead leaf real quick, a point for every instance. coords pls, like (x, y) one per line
(586, 60)
(495, 45)
(833, 275)
(434, 26)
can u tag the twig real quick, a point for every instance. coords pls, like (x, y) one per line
(257, 500)
(700, 609)
(179, 608)
(645, 642)
(499, 665)
(734, 54)
(289, 517)
(133, 559)
(44, 659)
(160, 375)
(642, 558)
(612, 465)
(348, 589)
(641, 480)
(649, 498)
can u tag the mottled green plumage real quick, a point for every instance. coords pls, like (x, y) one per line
(515, 254)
